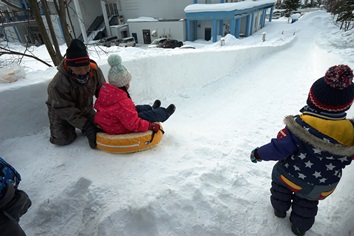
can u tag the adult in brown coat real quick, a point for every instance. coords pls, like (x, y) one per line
(70, 96)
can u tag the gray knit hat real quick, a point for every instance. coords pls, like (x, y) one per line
(118, 75)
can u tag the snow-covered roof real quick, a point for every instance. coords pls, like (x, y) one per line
(232, 6)
(142, 19)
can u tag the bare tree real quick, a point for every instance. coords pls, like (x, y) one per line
(56, 57)
(61, 9)
(49, 37)
(26, 53)
(4, 50)
(52, 50)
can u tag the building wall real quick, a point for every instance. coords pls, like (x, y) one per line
(16, 33)
(202, 25)
(256, 21)
(167, 9)
(121, 31)
(11, 35)
(57, 28)
(171, 29)
(90, 9)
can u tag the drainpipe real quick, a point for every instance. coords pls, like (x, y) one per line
(252, 23)
(105, 17)
(248, 22)
(215, 28)
(271, 14)
(238, 27)
(81, 23)
(188, 23)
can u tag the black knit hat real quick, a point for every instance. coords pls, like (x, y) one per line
(76, 54)
(334, 92)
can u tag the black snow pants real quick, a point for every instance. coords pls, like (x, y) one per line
(303, 211)
(152, 115)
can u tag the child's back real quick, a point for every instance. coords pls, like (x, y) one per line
(312, 149)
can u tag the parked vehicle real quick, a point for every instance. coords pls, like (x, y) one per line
(128, 42)
(110, 41)
(172, 43)
(276, 15)
(157, 43)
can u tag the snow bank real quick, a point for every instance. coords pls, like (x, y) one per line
(173, 71)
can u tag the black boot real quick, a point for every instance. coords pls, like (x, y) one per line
(279, 214)
(297, 231)
(171, 109)
(156, 104)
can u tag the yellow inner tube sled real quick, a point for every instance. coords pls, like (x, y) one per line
(128, 143)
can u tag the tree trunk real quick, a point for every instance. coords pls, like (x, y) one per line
(71, 23)
(58, 55)
(55, 55)
(62, 17)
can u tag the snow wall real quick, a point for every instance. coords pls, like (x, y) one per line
(175, 72)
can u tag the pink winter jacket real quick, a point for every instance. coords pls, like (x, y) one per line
(116, 112)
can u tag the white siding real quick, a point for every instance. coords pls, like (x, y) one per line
(173, 29)
(167, 9)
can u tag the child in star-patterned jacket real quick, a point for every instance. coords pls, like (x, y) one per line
(312, 149)
(13, 202)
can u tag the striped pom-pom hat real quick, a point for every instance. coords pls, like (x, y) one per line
(334, 92)
(76, 54)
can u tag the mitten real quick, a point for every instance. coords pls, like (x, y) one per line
(18, 206)
(90, 131)
(8, 195)
(254, 156)
(155, 127)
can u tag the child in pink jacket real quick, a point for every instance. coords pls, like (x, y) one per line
(116, 111)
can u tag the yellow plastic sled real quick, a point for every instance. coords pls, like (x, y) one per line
(128, 143)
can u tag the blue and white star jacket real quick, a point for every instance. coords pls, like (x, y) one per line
(9, 180)
(311, 151)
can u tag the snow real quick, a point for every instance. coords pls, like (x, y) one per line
(142, 19)
(232, 6)
(199, 179)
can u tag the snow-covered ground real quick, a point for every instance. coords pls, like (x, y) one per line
(199, 179)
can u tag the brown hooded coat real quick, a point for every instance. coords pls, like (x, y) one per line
(70, 103)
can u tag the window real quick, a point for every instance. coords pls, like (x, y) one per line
(111, 9)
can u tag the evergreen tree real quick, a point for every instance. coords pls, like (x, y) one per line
(344, 10)
(291, 5)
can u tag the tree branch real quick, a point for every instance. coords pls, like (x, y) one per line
(15, 6)
(4, 51)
